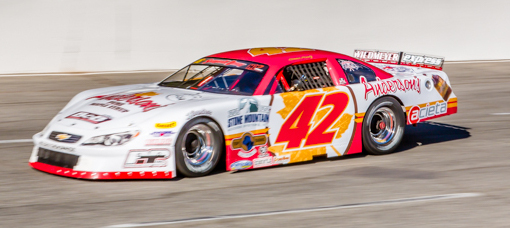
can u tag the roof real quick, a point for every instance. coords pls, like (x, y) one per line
(278, 56)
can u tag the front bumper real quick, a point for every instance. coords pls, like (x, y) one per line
(134, 160)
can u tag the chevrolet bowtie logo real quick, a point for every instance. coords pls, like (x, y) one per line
(61, 137)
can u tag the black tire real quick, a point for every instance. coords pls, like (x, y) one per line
(383, 126)
(198, 147)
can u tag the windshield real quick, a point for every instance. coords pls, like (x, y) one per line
(218, 76)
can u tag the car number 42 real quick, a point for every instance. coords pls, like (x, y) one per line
(314, 120)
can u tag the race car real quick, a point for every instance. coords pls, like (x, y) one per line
(254, 108)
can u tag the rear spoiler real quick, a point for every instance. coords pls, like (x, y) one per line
(400, 58)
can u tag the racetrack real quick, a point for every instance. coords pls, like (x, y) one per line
(464, 153)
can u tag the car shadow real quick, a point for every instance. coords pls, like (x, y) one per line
(423, 133)
(428, 132)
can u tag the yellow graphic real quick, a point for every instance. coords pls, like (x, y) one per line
(299, 155)
(329, 89)
(228, 138)
(359, 117)
(147, 94)
(290, 100)
(307, 154)
(276, 149)
(62, 136)
(166, 125)
(275, 50)
(319, 116)
(336, 151)
(342, 124)
(199, 61)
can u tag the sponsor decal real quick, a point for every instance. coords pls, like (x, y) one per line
(226, 62)
(248, 113)
(283, 159)
(247, 143)
(416, 113)
(89, 117)
(233, 63)
(275, 50)
(398, 69)
(143, 158)
(421, 60)
(202, 112)
(387, 86)
(166, 125)
(262, 162)
(63, 136)
(159, 142)
(162, 133)
(263, 152)
(255, 67)
(239, 165)
(246, 154)
(56, 147)
(183, 97)
(301, 58)
(114, 105)
(348, 65)
(142, 100)
(377, 56)
(442, 87)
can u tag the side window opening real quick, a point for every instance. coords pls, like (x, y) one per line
(307, 76)
(354, 71)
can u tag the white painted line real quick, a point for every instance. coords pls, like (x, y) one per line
(86, 73)
(480, 61)
(269, 213)
(16, 141)
(501, 113)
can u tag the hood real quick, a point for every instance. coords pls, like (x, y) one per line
(126, 107)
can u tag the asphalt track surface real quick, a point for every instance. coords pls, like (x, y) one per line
(421, 185)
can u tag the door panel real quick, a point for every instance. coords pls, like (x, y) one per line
(311, 123)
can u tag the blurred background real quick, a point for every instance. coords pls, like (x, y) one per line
(123, 35)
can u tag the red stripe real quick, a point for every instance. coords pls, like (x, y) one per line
(99, 175)
(356, 144)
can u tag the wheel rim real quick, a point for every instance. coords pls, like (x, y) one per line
(198, 147)
(382, 125)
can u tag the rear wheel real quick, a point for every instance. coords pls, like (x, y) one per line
(198, 147)
(383, 126)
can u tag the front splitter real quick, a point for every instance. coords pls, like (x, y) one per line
(100, 175)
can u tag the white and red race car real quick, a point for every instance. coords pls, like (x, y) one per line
(255, 108)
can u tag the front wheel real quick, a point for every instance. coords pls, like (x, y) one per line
(198, 147)
(383, 126)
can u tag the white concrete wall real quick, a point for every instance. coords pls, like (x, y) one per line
(118, 35)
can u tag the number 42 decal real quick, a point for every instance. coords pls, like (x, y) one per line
(326, 108)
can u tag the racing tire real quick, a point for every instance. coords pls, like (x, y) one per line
(383, 126)
(198, 147)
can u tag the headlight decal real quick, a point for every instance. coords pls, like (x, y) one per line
(111, 139)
